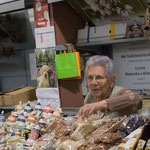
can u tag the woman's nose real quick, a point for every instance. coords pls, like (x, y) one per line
(94, 81)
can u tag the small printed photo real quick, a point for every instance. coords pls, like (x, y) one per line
(46, 68)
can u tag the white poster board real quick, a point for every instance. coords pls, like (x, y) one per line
(132, 66)
(11, 5)
(48, 96)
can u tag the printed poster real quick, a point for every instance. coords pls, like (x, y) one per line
(47, 83)
(41, 13)
(46, 68)
(132, 66)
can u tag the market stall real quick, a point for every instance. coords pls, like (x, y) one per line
(52, 124)
(35, 128)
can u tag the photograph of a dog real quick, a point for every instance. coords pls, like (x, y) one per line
(46, 68)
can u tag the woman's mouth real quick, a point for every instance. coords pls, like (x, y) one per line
(95, 90)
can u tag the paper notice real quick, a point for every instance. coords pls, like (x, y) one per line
(45, 37)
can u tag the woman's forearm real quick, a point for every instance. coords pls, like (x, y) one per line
(128, 101)
(102, 105)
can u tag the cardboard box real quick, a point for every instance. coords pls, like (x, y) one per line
(100, 33)
(24, 94)
(146, 103)
(1, 100)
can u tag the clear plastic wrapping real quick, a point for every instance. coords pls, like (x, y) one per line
(133, 122)
(69, 145)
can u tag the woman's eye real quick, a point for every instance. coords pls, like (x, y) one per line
(90, 77)
(100, 78)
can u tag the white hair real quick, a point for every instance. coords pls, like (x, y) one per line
(103, 61)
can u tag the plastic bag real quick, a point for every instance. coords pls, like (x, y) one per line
(133, 122)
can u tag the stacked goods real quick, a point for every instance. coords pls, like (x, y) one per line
(128, 143)
(25, 125)
(40, 129)
(94, 133)
(81, 134)
(139, 138)
(132, 123)
(144, 140)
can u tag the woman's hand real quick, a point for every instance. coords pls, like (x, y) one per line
(89, 109)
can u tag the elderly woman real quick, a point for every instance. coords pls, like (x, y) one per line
(104, 95)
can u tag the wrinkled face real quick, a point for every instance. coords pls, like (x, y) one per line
(98, 82)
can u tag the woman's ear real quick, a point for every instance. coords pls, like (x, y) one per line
(112, 82)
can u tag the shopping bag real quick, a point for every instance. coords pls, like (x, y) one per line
(71, 48)
(78, 67)
(68, 64)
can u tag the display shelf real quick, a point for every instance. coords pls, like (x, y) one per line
(54, 1)
(7, 107)
(13, 60)
(60, 47)
(70, 111)
(33, 103)
(106, 42)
